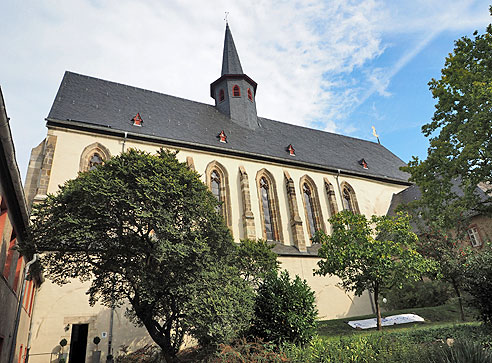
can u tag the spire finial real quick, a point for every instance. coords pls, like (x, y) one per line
(225, 18)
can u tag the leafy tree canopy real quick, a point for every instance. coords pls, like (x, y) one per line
(460, 133)
(144, 229)
(371, 254)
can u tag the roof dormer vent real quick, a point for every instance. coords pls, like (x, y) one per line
(137, 120)
(222, 137)
(363, 163)
(291, 150)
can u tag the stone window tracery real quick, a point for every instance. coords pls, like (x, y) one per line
(93, 155)
(349, 200)
(94, 161)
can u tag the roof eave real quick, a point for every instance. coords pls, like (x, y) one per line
(85, 126)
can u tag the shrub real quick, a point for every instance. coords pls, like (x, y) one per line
(462, 352)
(284, 310)
(478, 282)
(247, 351)
(418, 294)
(147, 354)
(360, 349)
(221, 308)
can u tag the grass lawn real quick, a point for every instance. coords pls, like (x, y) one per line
(444, 315)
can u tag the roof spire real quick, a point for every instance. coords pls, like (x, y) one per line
(230, 59)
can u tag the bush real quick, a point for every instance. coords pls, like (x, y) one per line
(462, 352)
(284, 310)
(247, 351)
(418, 294)
(147, 354)
(478, 282)
(360, 349)
(222, 307)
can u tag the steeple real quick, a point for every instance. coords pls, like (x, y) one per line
(230, 58)
(234, 92)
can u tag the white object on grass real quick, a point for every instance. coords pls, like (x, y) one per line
(389, 320)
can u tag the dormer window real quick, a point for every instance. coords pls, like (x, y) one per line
(291, 150)
(223, 137)
(250, 95)
(363, 163)
(137, 120)
(221, 95)
(236, 92)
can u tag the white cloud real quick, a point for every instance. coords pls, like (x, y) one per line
(308, 57)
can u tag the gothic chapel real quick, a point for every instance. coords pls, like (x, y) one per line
(276, 181)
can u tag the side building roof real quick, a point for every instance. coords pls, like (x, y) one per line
(10, 175)
(413, 192)
(102, 106)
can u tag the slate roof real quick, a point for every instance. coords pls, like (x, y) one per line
(104, 106)
(230, 58)
(414, 193)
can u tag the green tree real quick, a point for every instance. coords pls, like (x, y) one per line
(143, 229)
(459, 156)
(255, 259)
(448, 251)
(478, 282)
(373, 255)
(460, 133)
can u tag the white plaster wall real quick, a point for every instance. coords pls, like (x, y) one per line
(373, 197)
(55, 306)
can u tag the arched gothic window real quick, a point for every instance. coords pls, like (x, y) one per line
(269, 210)
(312, 207)
(308, 202)
(266, 205)
(250, 94)
(218, 183)
(236, 92)
(349, 199)
(215, 187)
(221, 95)
(93, 155)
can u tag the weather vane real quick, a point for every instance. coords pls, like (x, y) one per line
(375, 134)
(226, 15)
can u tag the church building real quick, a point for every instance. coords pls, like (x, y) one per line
(276, 181)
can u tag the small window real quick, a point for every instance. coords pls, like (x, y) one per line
(236, 92)
(221, 95)
(250, 94)
(474, 237)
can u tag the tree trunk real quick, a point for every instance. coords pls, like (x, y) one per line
(376, 302)
(460, 302)
(162, 339)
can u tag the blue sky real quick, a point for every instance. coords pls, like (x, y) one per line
(339, 65)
